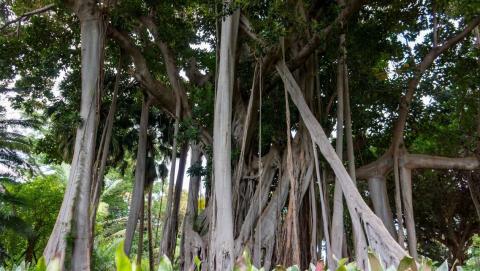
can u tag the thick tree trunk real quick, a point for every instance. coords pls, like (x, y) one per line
(73, 221)
(170, 229)
(474, 188)
(379, 238)
(139, 186)
(221, 227)
(379, 196)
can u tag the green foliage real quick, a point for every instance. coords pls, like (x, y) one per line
(197, 262)
(473, 261)
(35, 218)
(406, 264)
(122, 262)
(165, 264)
(41, 265)
(35, 53)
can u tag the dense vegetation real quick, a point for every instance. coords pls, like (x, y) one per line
(297, 132)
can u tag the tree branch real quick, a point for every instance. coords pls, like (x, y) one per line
(319, 37)
(274, 54)
(406, 100)
(164, 96)
(27, 15)
(413, 161)
(420, 70)
(417, 161)
(170, 64)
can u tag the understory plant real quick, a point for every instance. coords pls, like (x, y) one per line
(244, 263)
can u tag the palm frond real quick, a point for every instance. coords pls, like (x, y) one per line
(15, 223)
(24, 123)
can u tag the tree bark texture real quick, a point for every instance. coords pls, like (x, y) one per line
(221, 227)
(73, 221)
(139, 186)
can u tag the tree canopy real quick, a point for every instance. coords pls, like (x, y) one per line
(301, 131)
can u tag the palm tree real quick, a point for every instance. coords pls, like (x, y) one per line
(14, 149)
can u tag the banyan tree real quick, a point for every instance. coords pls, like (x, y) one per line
(306, 123)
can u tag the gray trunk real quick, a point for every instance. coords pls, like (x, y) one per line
(313, 210)
(259, 200)
(379, 239)
(381, 205)
(141, 227)
(406, 186)
(323, 205)
(191, 244)
(221, 227)
(151, 262)
(359, 237)
(171, 179)
(139, 186)
(169, 238)
(102, 155)
(337, 218)
(398, 198)
(73, 221)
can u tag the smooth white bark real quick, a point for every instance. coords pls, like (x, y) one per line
(379, 196)
(337, 218)
(73, 221)
(222, 244)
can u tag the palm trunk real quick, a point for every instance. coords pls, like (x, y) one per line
(30, 251)
(139, 186)
(221, 244)
(73, 221)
